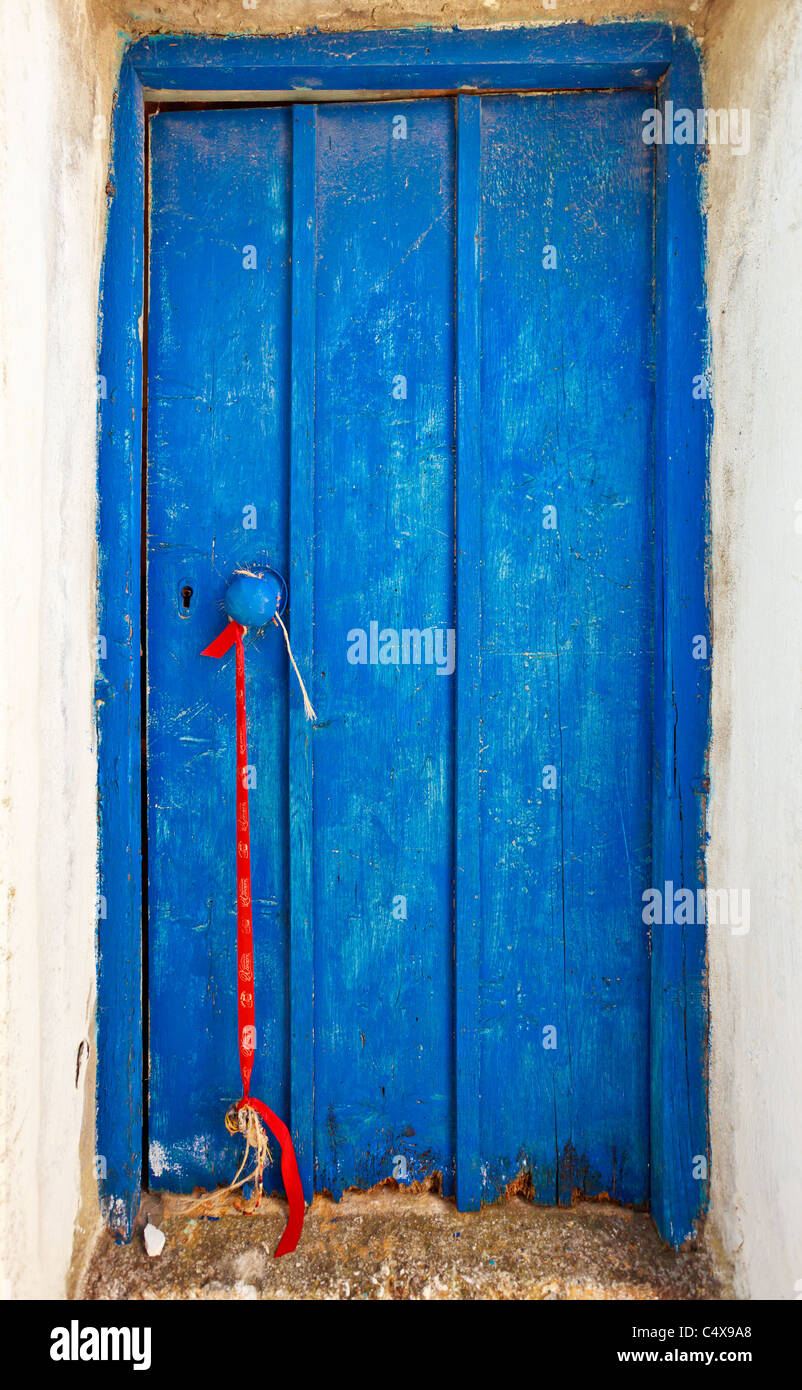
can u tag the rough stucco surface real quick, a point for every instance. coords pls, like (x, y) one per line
(754, 55)
(387, 1244)
(283, 16)
(51, 185)
(59, 62)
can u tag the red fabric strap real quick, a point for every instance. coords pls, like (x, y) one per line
(233, 634)
(289, 1173)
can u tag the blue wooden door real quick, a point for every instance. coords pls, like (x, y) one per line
(402, 351)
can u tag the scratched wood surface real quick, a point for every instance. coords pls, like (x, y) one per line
(560, 391)
(117, 692)
(680, 1152)
(218, 440)
(384, 527)
(566, 422)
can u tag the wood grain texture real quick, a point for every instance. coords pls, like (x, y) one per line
(567, 360)
(679, 1023)
(384, 527)
(117, 691)
(551, 56)
(301, 620)
(405, 1045)
(468, 847)
(554, 632)
(218, 443)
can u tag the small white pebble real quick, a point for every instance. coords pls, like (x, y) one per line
(154, 1239)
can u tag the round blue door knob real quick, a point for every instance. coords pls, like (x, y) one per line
(255, 596)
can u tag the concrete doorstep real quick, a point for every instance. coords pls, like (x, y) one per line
(397, 1245)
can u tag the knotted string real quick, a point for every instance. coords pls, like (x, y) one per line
(310, 713)
(234, 633)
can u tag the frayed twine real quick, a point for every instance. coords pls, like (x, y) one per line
(309, 712)
(246, 1122)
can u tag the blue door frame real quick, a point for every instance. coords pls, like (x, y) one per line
(658, 60)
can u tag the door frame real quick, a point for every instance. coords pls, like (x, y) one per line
(310, 67)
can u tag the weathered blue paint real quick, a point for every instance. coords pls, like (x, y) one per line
(679, 1130)
(468, 745)
(566, 647)
(557, 56)
(218, 492)
(384, 546)
(549, 883)
(569, 57)
(252, 599)
(119, 938)
(302, 527)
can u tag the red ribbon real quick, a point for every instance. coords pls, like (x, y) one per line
(234, 633)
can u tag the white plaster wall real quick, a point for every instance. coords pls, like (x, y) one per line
(284, 16)
(59, 60)
(754, 56)
(52, 175)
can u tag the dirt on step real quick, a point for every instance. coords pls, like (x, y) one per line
(395, 1245)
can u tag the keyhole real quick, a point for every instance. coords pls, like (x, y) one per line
(186, 595)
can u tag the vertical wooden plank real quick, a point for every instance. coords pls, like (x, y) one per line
(567, 609)
(679, 1133)
(467, 906)
(117, 689)
(384, 554)
(218, 430)
(301, 608)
